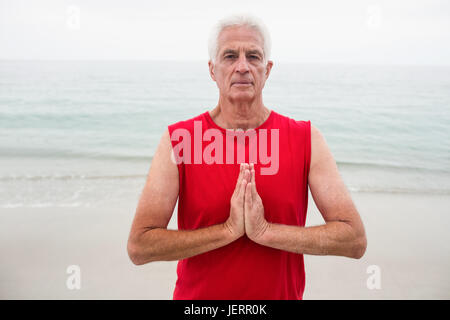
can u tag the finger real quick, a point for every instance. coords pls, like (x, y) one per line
(254, 192)
(248, 196)
(251, 167)
(239, 180)
(243, 170)
(247, 175)
(241, 173)
(248, 204)
(242, 188)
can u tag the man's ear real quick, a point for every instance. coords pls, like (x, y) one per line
(211, 70)
(268, 67)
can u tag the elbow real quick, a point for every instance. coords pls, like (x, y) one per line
(135, 254)
(139, 251)
(359, 248)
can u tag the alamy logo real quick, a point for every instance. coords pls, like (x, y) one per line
(190, 150)
(374, 280)
(73, 281)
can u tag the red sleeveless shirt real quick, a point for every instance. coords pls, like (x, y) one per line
(242, 269)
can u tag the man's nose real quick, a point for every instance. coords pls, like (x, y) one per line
(242, 65)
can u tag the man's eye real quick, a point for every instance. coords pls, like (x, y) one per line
(232, 56)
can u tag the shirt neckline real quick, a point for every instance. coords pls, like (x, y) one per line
(262, 125)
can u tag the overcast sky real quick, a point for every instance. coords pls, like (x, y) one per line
(319, 31)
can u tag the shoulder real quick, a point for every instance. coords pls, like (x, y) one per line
(320, 152)
(316, 135)
(186, 124)
(293, 124)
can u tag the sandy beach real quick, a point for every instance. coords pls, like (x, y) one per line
(407, 241)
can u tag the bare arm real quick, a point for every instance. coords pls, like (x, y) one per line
(149, 239)
(343, 232)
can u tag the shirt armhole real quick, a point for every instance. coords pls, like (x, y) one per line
(308, 147)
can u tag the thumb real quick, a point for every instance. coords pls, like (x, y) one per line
(237, 189)
(248, 196)
(242, 190)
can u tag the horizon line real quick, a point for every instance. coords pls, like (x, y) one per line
(206, 60)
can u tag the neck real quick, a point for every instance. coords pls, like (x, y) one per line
(240, 115)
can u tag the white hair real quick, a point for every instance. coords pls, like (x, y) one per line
(239, 20)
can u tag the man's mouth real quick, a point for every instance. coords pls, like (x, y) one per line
(242, 83)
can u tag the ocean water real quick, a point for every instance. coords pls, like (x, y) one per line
(83, 133)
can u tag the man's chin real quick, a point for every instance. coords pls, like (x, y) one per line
(242, 91)
(242, 96)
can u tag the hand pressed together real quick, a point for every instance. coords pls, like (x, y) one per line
(246, 207)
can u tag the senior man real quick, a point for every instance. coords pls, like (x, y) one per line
(241, 174)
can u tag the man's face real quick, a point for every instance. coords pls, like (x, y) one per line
(239, 71)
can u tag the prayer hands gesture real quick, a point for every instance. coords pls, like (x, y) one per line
(246, 210)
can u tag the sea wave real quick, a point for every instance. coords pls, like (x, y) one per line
(67, 154)
(147, 158)
(399, 190)
(393, 166)
(108, 180)
(43, 205)
(69, 177)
